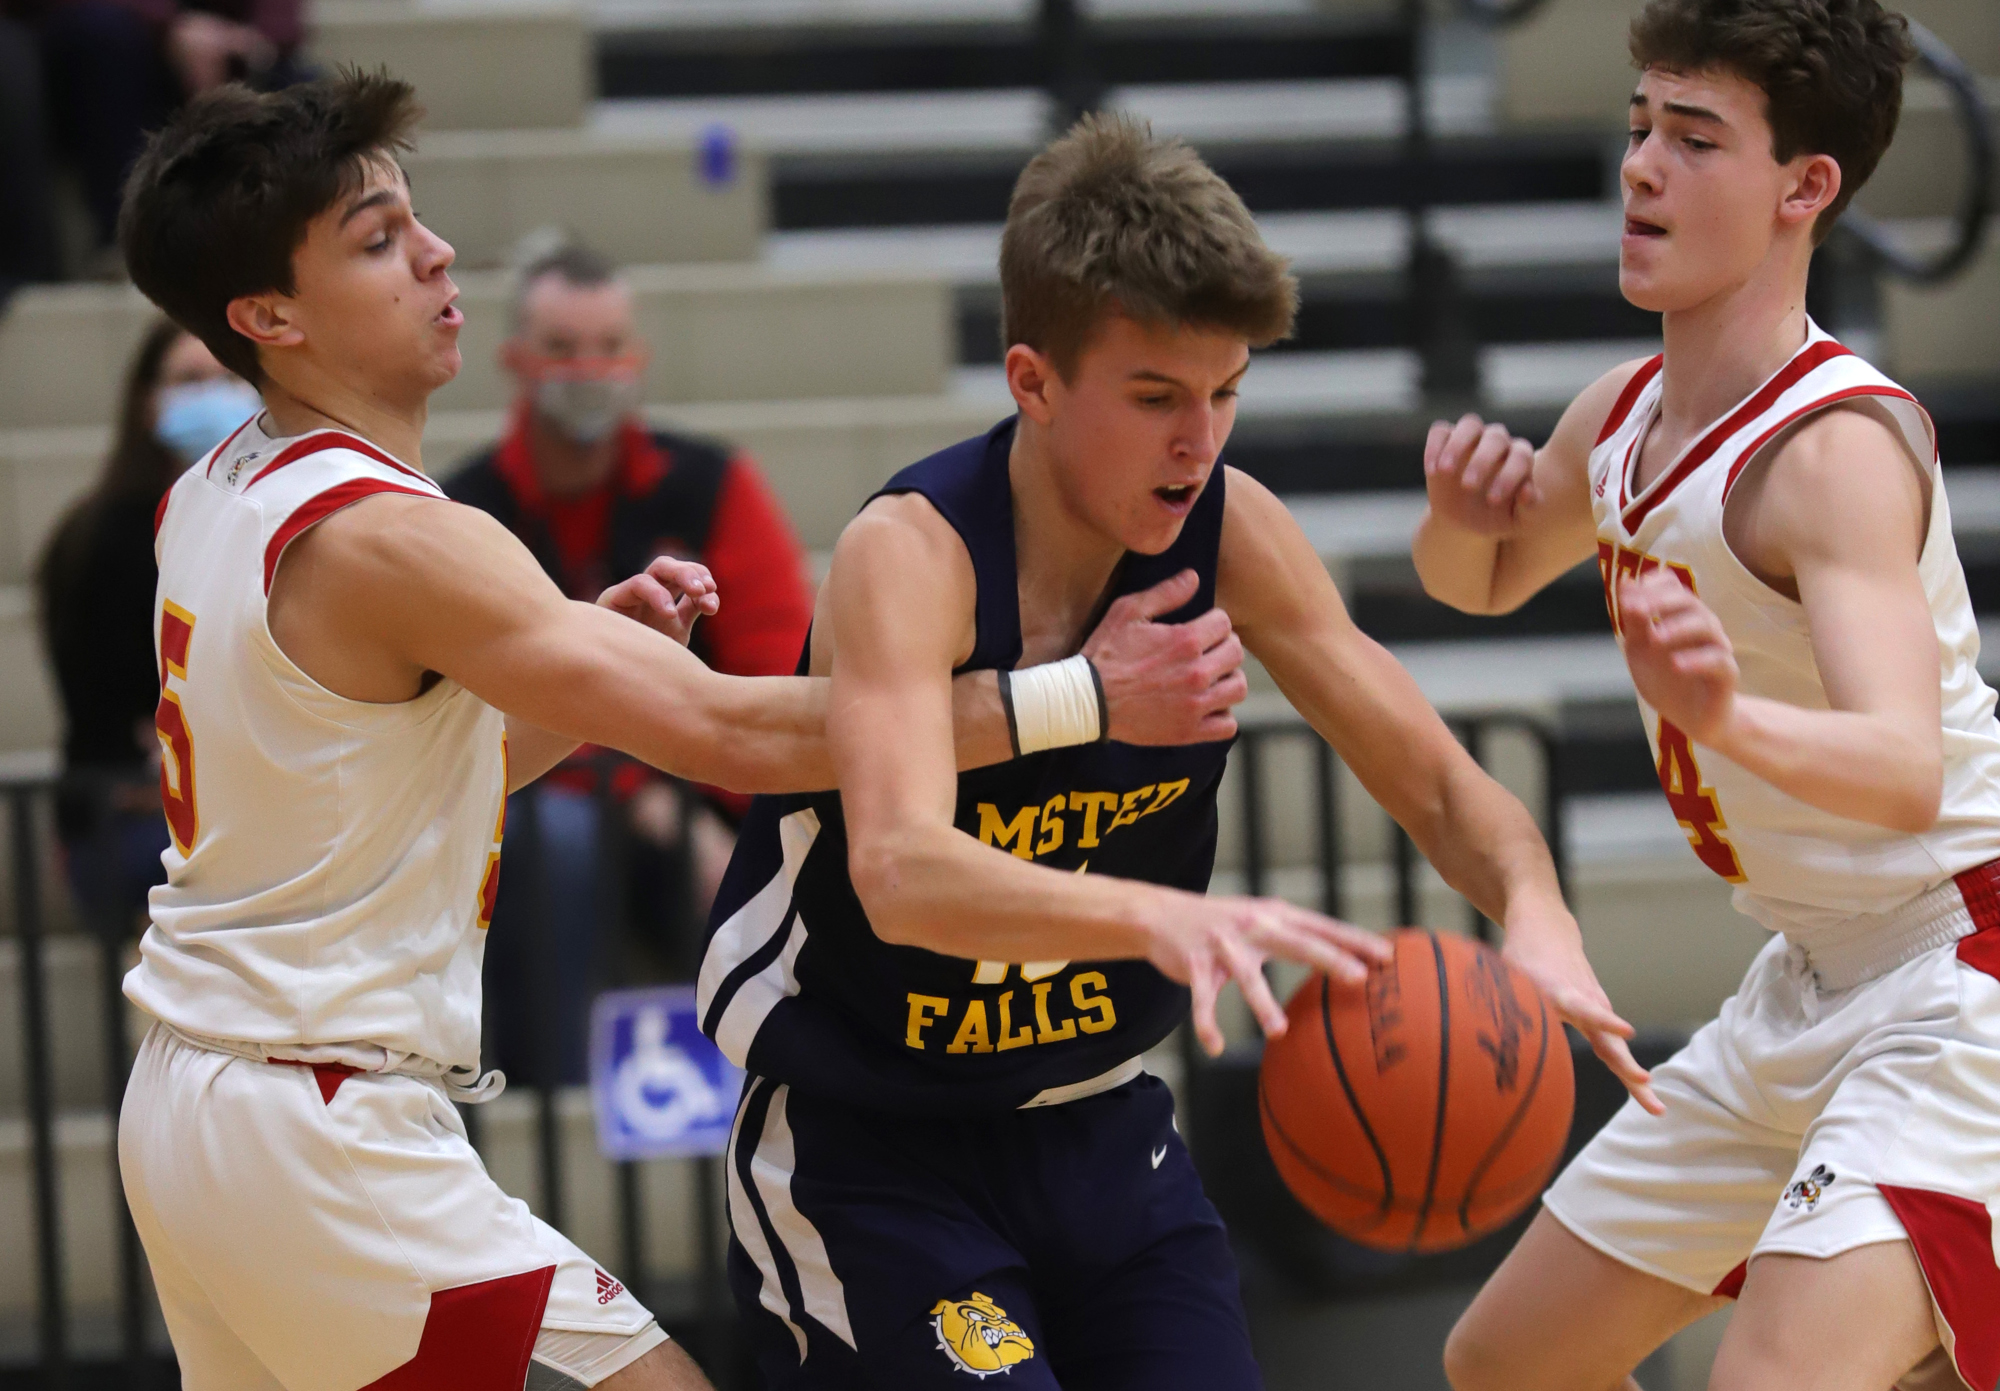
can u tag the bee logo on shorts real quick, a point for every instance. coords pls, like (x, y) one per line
(978, 1337)
(1807, 1192)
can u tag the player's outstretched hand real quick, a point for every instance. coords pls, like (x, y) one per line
(1681, 659)
(1168, 683)
(1204, 943)
(668, 596)
(1477, 476)
(1556, 963)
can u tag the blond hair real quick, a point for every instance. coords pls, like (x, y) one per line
(1108, 219)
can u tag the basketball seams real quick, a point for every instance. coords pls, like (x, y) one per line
(1444, 1090)
(1507, 1131)
(1353, 1101)
(1480, 1142)
(1305, 1158)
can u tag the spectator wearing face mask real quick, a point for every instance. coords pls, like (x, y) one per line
(95, 583)
(596, 495)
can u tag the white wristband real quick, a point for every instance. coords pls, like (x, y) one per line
(1055, 705)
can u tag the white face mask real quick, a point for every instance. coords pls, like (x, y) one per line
(587, 405)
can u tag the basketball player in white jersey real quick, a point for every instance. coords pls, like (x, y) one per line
(1771, 523)
(337, 647)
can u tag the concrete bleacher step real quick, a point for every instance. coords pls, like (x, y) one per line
(1321, 245)
(1016, 120)
(718, 332)
(638, 199)
(476, 64)
(823, 457)
(760, 47)
(1384, 382)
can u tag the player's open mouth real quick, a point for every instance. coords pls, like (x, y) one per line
(449, 316)
(1177, 494)
(1634, 227)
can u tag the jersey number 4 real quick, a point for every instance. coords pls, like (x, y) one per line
(170, 721)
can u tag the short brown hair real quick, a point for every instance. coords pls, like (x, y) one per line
(220, 199)
(1831, 71)
(1108, 219)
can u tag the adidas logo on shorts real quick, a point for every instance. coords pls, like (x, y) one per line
(608, 1289)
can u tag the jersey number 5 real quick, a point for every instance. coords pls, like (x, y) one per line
(170, 721)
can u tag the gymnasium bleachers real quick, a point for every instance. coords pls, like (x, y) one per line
(810, 193)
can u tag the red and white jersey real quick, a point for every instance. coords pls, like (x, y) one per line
(334, 862)
(1799, 870)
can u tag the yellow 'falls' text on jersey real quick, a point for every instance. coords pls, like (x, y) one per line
(796, 986)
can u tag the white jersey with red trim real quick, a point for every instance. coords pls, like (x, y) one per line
(333, 862)
(1798, 870)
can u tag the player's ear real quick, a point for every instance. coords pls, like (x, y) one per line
(1031, 378)
(269, 320)
(1815, 183)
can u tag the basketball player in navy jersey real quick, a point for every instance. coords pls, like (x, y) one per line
(948, 1162)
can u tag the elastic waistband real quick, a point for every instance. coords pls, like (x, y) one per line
(1967, 903)
(1090, 1086)
(467, 1085)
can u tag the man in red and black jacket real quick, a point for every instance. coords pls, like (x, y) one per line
(663, 494)
(597, 495)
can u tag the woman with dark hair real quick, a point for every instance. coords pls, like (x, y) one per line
(95, 583)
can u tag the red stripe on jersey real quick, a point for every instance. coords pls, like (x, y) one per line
(1790, 376)
(328, 439)
(1953, 1237)
(1743, 462)
(160, 512)
(1629, 397)
(321, 506)
(476, 1337)
(223, 448)
(1980, 887)
(1731, 1285)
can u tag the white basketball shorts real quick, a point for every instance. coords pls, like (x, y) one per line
(1810, 1121)
(324, 1230)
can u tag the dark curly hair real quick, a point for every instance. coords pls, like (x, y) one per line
(221, 198)
(1832, 71)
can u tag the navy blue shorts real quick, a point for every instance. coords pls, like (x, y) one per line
(1067, 1246)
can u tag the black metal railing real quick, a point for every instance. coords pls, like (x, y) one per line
(1473, 731)
(1975, 200)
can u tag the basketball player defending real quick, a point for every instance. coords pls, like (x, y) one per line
(1770, 520)
(949, 1162)
(337, 645)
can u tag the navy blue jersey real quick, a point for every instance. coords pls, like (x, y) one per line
(796, 986)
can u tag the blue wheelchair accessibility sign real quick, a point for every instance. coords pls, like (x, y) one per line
(658, 1085)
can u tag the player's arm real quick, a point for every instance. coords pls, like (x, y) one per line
(901, 600)
(1840, 517)
(1505, 520)
(394, 586)
(1163, 683)
(1360, 700)
(669, 596)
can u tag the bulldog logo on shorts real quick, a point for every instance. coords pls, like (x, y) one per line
(1807, 1192)
(978, 1337)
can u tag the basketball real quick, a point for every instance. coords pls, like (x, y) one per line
(1429, 1109)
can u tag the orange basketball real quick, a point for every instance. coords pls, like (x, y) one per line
(1427, 1111)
